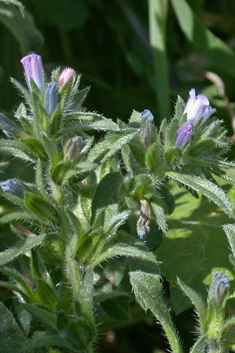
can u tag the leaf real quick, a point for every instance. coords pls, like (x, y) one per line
(107, 194)
(17, 217)
(138, 251)
(203, 38)
(230, 232)
(110, 145)
(40, 207)
(38, 341)
(11, 254)
(47, 294)
(11, 336)
(194, 246)
(23, 28)
(198, 303)
(209, 189)
(200, 345)
(46, 318)
(148, 292)
(117, 307)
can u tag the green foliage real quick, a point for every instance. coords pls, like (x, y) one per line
(96, 186)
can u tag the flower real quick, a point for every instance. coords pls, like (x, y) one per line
(146, 128)
(33, 69)
(183, 134)
(197, 107)
(65, 76)
(14, 187)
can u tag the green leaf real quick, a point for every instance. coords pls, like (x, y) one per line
(46, 318)
(159, 214)
(15, 288)
(16, 149)
(80, 335)
(148, 292)
(20, 279)
(230, 232)
(110, 145)
(40, 207)
(107, 194)
(47, 294)
(11, 254)
(203, 38)
(138, 251)
(200, 345)
(11, 336)
(198, 303)
(38, 341)
(19, 216)
(209, 189)
(195, 238)
(117, 307)
(23, 28)
(35, 146)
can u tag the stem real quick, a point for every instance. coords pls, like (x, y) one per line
(73, 268)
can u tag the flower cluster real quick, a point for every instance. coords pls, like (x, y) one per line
(197, 107)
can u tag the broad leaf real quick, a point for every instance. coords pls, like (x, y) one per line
(11, 336)
(194, 246)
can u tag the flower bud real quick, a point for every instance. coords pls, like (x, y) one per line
(51, 97)
(219, 284)
(65, 76)
(146, 128)
(73, 147)
(197, 107)
(142, 225)
(183, 135)
(14, 187)
(33, 69)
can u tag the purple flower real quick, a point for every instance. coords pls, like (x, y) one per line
(183, 134)
(65, 76)
(33, 69)
(197, 107)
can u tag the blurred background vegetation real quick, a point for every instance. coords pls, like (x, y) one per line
(134, 55)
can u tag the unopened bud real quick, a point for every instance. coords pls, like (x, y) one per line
(14, 187)
(33, 69)
(183, 135)
(51, 97)
(220, 282)
(73, 147)
(146, 129)
(65, 76)
(142, 225)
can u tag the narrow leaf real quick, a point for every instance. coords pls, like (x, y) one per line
(11, 254)
(207, 188)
